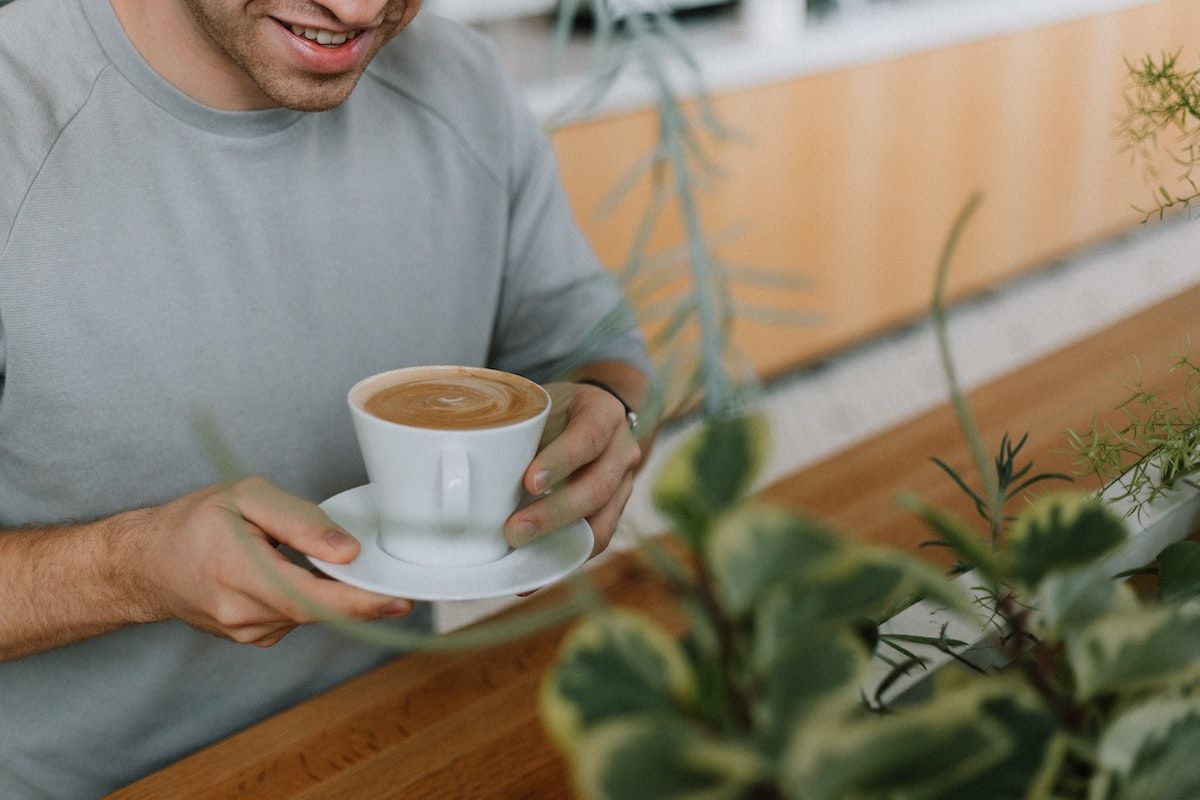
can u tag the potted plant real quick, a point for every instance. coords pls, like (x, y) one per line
(764, 696)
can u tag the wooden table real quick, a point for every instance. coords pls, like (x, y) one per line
(464, 725)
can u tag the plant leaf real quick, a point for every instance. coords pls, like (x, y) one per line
(710, 472)
(1149, 752)
(1179, 572)
(1060, 531)
(641, 757)
(823, 670)
(757, 547)
(920, 754)
(1069, 600)
(971, 547)
(1137, 649)
(1030, 728)
(614, 663)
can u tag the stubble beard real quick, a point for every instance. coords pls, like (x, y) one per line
(299, 92)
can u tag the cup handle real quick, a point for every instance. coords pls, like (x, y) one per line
(456, 486)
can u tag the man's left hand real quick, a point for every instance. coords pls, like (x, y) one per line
(586, 462)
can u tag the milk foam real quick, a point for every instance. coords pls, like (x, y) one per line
(456, 401)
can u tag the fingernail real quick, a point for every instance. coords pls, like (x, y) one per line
(396, 608)
(522, 533)
(339, 540)
(540, 480)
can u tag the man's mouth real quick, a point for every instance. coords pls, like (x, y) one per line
(330, 39)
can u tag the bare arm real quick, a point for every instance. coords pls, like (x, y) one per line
(63, 584)
(203, 558)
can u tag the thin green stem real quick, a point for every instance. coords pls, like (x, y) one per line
(991, 483)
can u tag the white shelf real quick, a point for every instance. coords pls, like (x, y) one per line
(762, 41)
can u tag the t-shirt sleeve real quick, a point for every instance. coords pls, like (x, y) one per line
(559, 307)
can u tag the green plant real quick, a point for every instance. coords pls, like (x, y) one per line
(1157, 447)
(1163, 100)
(684, 292)
(764, 696)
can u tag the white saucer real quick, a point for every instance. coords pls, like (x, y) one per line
(524, 569)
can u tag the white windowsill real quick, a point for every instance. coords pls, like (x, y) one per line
(762, 41)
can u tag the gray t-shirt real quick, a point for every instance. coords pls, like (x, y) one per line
(160, 258)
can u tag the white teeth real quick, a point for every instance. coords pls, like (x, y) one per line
(323, 37)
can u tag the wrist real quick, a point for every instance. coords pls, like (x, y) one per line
(631, 415)
(124, 566)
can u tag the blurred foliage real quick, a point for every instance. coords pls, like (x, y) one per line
(684, 293)
(1162, 115)
(766, 695)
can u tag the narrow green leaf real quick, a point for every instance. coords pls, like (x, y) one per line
(971, 547)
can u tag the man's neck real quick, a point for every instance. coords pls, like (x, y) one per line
(174, 45)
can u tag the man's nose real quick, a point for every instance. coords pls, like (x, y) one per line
(356, 13)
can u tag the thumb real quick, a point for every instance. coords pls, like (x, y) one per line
(292, 521)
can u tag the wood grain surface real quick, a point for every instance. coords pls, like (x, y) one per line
(437, 726)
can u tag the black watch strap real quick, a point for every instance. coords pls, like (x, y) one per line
(630, 414)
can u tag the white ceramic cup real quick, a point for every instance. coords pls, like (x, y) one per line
(443, 495)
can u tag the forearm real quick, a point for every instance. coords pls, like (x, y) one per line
(63, 584)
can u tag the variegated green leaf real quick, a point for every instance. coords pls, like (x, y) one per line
(1149, 752)
(1179, 572)
(825, 669)
(757, 547)
(1133, 650)
(638, 758)
(614, 663)
(1071, 599)
(852, 585)
(710, 472)
(1030, 727)
(1061, 531)
(919, 754)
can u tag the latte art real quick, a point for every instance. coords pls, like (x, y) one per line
(456, 401)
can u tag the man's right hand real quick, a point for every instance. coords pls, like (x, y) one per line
(192, 559)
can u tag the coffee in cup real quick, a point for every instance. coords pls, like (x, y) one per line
(457, 399)
(446, 449)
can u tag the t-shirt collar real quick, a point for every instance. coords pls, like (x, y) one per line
(126, 58)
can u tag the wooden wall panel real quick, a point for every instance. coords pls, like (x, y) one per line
(852, 178)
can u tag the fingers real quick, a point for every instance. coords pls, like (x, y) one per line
(604, 522)
(589, 492)
(263, 594)
(309, 598)
(292, 521)
(595, 419)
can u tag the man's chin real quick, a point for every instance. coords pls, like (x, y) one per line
(312, 96)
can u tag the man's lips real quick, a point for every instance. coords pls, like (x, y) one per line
(323, 50)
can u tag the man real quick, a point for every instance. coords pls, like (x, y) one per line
(239, 208)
